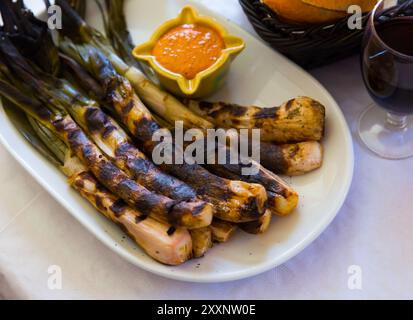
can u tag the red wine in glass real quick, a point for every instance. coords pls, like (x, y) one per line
(388, 76)
(387, 68)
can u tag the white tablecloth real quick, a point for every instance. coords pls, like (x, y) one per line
(373, 232)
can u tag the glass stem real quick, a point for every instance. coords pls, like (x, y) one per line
(396, 121)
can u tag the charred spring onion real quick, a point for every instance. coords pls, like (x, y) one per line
(298, 120)
(82, 100)
(52, 115)
(234, 201)
(154, 237)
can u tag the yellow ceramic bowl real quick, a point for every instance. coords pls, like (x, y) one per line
(205, 82)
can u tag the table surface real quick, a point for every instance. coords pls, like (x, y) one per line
(365, 253)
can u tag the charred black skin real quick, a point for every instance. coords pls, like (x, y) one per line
(262, 177)
(113, 178)
(145, 172)
(272, 158)
(208, 186)
(141, 168)
(235, 171)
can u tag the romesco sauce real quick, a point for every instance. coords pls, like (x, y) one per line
(189, 49)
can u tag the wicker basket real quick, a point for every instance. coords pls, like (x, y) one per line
(310, 45)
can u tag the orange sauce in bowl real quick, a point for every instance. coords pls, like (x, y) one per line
(189, 49)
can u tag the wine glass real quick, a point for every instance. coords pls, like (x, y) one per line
(387, 68)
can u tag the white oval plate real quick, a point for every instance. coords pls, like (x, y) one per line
(259, 76)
